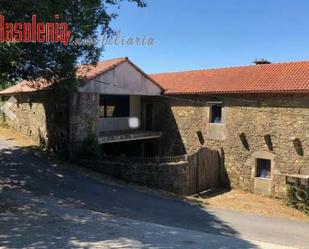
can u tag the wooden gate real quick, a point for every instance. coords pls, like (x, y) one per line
(204, 173)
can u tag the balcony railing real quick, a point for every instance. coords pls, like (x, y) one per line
(118, 124)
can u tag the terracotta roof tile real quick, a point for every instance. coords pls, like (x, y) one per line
(27, 86)
(89, 72)
(279, 77)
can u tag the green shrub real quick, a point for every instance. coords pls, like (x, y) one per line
(90, 148)
(2, 117)
(298, 197)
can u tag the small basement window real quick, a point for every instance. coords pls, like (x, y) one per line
(216, 114)
(263, 168)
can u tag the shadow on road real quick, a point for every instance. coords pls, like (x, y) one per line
(28, 171)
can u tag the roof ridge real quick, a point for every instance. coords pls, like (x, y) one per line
(230, 67)
(114, 59)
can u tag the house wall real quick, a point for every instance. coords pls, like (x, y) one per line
(84, 115)
(51, 122)
(125, 79)
(185, 124)
(30, 117)
(135, 106)
(43, 117)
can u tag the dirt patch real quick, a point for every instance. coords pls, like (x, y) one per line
(250, 203)
(17, 138)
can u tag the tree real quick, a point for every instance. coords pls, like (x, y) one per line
(87, 19)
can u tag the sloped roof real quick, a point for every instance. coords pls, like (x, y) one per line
(266, 78)
(86, 72)
(27, 86)
(89, 72)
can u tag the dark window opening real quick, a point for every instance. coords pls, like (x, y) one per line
(263, 168)
(216, 114)
(112, 106)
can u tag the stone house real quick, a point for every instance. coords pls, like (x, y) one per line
(256, 117)
(109, 103)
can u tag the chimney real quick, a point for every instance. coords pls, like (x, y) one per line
(261, 61)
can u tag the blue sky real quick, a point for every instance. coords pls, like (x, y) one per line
(209, 34)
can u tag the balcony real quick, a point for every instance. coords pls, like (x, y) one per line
(113, 130)
(118, 124)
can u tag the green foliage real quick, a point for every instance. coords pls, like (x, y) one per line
(298, 197)
(4, 84)
(87, 19)
(90, 148)
(2, 116)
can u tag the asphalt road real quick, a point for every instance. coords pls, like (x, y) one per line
(22, 169)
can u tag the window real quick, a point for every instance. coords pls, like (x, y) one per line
(216, 114)
(263, 168)
(112, 106)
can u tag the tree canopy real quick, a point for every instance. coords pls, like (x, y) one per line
(86, 19)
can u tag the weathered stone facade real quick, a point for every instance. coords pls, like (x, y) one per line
(60, 122)
(43, 117)
(84, 113)
(30, 117)
(55, 121)
(184, 121)
(173, 177)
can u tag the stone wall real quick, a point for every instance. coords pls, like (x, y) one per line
(184, 121)
(173, 177)
(84, 111)
(42, 116)
(30, 117)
